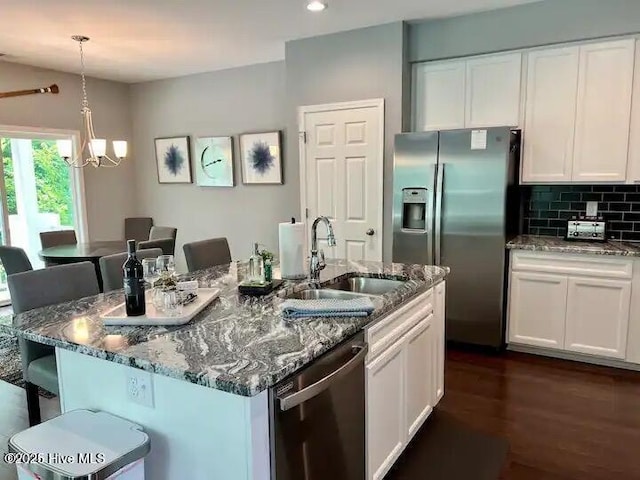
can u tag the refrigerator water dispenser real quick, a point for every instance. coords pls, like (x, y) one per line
(414, 209)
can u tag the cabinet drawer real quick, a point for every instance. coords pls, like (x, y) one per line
(390, 328)
(579, 265)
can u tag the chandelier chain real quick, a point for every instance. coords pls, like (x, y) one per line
(85, 100)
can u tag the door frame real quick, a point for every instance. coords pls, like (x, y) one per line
(77, 174)
(377, 103)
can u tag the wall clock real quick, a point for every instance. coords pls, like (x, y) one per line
(214, 162)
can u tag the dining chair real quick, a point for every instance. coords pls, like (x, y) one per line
(111, 267)
(41, 288)
(137, 228)
(167, 245)
(14, 260)
(58, 237)
(206, 253)
(55, 239)
(158, 233)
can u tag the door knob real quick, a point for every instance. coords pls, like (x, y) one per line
(370, 232)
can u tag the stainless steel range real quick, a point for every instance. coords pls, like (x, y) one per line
(455, 203)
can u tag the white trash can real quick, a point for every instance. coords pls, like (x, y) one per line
(80, 445)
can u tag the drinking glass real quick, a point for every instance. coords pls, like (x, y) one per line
(165, 265)
(149, 271)
(171, 302)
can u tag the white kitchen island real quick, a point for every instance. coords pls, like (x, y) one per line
(202, 391)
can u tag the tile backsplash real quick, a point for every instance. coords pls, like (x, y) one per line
(547, 207)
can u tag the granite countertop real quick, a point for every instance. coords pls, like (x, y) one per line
(554, 244)
(237, 344)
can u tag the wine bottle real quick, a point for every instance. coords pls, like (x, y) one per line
(133, 282)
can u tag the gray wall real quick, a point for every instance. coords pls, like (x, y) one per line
(110, 104)
(219, 103)
(547, 22)
(355, 65)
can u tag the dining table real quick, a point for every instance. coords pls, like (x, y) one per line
(83, 252)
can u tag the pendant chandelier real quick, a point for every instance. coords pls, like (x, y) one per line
(93, 151)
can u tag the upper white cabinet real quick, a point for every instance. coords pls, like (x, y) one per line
(439, 95)
(633, 171)
(552, 78)
(493, 91)
(603, 111)
(577, 113)
(479, 92)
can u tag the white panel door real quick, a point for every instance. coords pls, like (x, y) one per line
(538, 304)
(439, 95)
(385, 415)
(598, 316)
(420, 381)
(493, 90)
(633, 170)
(343, 157)
(550, 110)
(439, 341)
(603, 113)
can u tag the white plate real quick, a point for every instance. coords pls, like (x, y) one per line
(118, 315)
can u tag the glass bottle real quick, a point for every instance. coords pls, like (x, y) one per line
(256, 266)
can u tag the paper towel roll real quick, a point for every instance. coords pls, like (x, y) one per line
(292, 257)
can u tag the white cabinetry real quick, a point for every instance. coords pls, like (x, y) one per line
(633, 171)
(598, 316)
(439, 340)
(404, 366)
(420, 381)
(576, 303)
(603, 111)
(440, 95)
(536, 322)
(577, 113)
(477, 92)
(493, 91)
(550, 110)
(385, 411)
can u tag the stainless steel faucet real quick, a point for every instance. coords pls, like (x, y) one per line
(317, 262)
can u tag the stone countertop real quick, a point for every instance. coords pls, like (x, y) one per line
(237, 344)
(554, 244)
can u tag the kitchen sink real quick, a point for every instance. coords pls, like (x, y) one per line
(365, 285)
(317, 294)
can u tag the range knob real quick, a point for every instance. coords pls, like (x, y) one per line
(575, 234)
(594, 234)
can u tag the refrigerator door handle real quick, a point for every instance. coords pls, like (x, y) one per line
(438, 214)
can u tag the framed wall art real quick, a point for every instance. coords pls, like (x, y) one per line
(173, 159)
(214, 162)
(261, 158)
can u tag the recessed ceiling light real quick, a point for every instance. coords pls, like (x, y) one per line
(316, 5)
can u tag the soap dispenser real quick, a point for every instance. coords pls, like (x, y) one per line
(256, 266)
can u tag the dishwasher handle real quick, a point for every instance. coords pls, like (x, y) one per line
(293, 400)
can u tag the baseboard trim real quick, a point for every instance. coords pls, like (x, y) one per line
(572, 356)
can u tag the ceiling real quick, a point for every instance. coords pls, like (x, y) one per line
(138, 40)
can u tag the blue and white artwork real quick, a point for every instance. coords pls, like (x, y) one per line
(261, 158)
(173, 160)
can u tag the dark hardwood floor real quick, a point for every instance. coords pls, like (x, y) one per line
(563, 420)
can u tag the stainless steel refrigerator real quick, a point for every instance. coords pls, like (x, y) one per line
(456, 204)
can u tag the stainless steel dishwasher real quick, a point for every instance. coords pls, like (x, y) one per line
(318, 418)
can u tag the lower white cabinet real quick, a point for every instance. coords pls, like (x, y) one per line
(402, 378)
(385, 410)
(598, 316)
(538, 303)
(574, 303)
(439, 340)
(420, 385)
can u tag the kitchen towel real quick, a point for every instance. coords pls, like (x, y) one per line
(357, 307)
(292, 256)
